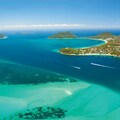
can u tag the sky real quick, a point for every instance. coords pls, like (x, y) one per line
(49, 14)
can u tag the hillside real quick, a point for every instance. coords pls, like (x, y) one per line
(105, 35)
(111, 47)
(63, 35)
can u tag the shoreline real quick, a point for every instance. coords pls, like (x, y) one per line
(80, 38)
(94, 54)
(105, 41)
(91, 47)
(94, 45)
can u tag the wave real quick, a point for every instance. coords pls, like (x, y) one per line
(105, 66)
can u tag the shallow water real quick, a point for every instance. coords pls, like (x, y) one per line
(33, 74)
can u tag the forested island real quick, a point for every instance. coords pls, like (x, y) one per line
(63, 35)
(111, 47)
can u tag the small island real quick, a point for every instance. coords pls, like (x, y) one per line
(111, 47)
(2, 36)
(63, 35)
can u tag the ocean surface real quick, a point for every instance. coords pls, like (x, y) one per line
(34, 75)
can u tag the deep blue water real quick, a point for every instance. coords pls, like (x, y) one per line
(38, 51)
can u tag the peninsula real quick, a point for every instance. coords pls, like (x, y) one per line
(111, 47)
(63, 35)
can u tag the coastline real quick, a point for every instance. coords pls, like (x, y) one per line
(80, 38)
(94, 45)
(92, 54)
(111, 47)
(97, 39)
(105, 41)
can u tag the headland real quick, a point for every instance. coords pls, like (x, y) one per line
(111, 47)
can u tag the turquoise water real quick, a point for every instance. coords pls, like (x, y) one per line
(33, 74)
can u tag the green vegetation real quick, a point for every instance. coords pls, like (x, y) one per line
(112, 47)
(105, 35)
(63, 35)
(40, 113)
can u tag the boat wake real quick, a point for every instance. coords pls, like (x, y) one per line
(105, 66)
(76, 67)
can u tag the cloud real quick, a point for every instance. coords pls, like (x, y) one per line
(41, 26)
(58, 26)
